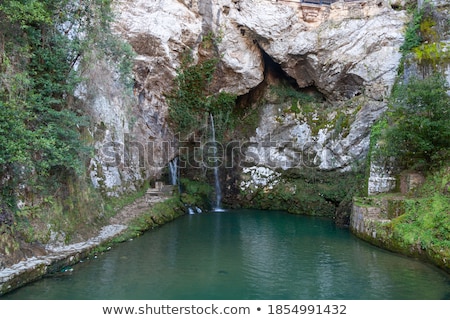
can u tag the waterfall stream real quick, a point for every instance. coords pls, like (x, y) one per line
(217, 189)
(173, 171)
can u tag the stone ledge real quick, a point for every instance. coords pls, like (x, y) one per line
(368, 221)
(58, 257)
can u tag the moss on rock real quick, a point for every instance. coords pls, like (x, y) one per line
(307, 191)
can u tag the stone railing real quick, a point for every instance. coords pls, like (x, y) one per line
(316, 11)
(316, 2)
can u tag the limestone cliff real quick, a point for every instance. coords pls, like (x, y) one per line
(347, 52)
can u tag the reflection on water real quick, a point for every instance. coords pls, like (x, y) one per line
(245, 254)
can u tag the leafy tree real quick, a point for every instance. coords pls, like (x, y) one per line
(41, 45)
(419, 135)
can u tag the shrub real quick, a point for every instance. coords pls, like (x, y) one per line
(419, 134)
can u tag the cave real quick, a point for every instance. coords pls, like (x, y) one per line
(274, 75)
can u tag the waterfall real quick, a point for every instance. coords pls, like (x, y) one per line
(194, 210)
(173, 171)
(218, 191)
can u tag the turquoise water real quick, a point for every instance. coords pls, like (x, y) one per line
(245, 254)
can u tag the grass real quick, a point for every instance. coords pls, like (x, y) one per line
(426, 222)
(423, 230)
(159, 214)
(114, 204)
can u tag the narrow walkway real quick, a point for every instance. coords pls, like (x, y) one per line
(58, 257)
(137, 208)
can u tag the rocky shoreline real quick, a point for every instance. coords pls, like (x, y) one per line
(58, 257)
(373, 224)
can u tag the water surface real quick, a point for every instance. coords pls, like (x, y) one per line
(245, 254)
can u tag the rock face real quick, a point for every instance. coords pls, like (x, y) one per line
(133, 139)
(355, 46)
(353, 51)
(381, 179)
(342, 51)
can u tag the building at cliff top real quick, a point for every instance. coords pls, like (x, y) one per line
(316, 11)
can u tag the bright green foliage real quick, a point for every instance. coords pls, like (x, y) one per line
(425, 36)
(188, 101)
(416, 132)
(27, 13)
(426, 221)
(38, 131)
(433, 53)
(433, 49)
(419, 136)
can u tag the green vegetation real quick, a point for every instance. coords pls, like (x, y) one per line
(426, 223)
(304, 106)
(195, 193)
(412, 35)
(424, 35)
(44, 46)
(414, 136)
(191, 100)
(309, 192)
(310, 108)
(159, 214)
(421, 225)
(416, 129)
(418, 134)
(286, 93)
(432, 53)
